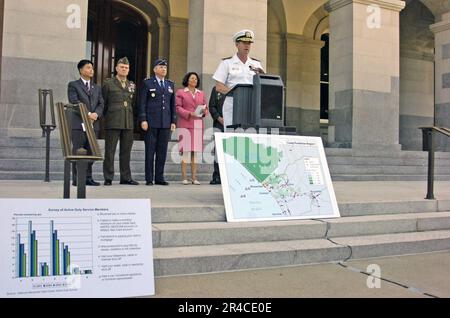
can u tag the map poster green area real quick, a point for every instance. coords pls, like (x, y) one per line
(273, 177)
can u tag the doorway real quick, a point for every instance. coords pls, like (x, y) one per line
(114, 31)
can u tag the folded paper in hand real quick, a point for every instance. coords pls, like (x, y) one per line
(200, 111)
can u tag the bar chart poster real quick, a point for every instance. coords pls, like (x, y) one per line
(76, 248)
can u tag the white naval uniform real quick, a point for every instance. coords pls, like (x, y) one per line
(232, 72)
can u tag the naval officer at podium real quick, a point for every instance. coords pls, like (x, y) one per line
(238, 69)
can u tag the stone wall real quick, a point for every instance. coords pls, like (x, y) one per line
(41, 48)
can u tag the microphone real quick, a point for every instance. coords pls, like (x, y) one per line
(257, 70)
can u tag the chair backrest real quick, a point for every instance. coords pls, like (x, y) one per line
(65, 132)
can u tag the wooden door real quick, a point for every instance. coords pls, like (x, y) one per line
(115, 31)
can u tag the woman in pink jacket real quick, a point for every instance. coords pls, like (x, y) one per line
(190, 124)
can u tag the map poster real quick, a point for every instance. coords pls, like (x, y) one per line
(76, 248)
(273, 177)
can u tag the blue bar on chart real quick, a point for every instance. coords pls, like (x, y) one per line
(44, 269)
(21, 258)
(59, 260)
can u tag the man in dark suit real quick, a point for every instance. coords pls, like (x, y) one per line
(86, 92)
(120, 95)
(157, 116)
(215, 108)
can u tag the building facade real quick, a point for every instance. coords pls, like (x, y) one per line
(364, 74)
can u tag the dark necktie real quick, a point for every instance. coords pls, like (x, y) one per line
(162, 85)
(88, 88)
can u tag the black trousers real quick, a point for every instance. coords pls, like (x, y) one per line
(79, 140)
(216, 174)
(112, 137)
(156, 146)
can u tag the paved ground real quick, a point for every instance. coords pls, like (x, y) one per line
(427, 273)
(176, 194)
(424, 274)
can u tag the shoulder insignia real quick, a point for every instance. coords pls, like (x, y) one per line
(255, 59)
(227, 58)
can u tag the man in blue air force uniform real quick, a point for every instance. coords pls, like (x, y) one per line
(157, 116)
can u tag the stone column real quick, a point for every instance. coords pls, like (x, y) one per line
(43, 40)
(442, 69)
(164, 35)
(178, 49)
(212, 25)
(364, 74)
(303, 84)
(276, 54)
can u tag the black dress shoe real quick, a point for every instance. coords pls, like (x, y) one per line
(92, 183)
(163, 183)
(215, 182)
(108, 183)
(74, 183)
(149, 183)
(130, 182)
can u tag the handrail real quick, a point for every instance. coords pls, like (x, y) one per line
(429, 144)
(445, 131)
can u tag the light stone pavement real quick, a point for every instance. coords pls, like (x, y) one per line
(424, 274)
(180, 195)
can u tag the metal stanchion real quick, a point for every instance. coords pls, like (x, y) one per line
(67, 167)
(429, 144)
(48, 124)
(431, 149)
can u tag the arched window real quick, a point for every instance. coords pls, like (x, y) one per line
(324, 76)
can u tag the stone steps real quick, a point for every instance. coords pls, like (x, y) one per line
(173, 173)
(196, 239)
(139, 156)
(361, 167)
(58, 166)
(232, 257)
(191, 236)
(97, 175)
(381, 177)
(22, 158)
(218, 233)
(193, 213)
(342, 156)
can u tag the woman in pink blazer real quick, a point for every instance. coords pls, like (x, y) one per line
(190, 124)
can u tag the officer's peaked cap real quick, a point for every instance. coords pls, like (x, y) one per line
(162, 62)
(244, 36)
